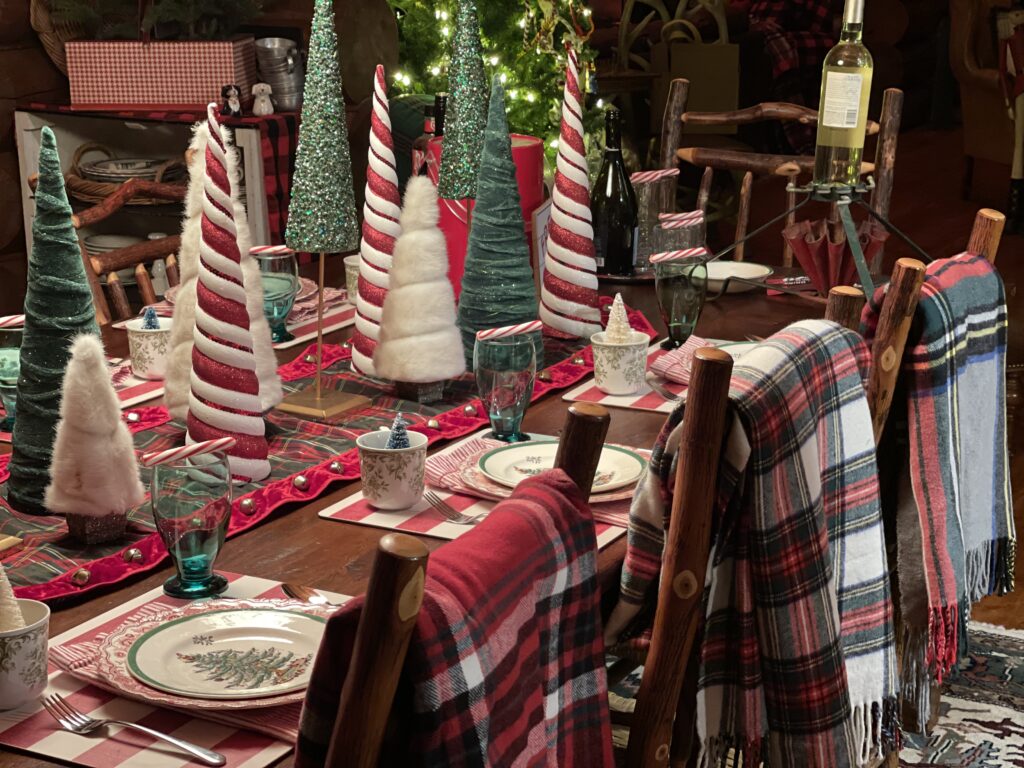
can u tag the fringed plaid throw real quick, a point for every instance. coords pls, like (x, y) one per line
(506, 664)
(947, 433)
(797, 657)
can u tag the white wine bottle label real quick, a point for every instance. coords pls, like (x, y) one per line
(842, 100)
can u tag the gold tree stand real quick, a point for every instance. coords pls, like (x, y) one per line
(314, 403)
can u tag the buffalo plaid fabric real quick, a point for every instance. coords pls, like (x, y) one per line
(797, 657)
(951, 498)
(797, 35)
(506, 664)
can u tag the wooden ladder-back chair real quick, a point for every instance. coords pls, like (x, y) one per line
(752, 164)
(393, 599)
(104, 266)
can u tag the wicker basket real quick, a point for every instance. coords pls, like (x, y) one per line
(53, 34)
(89, 191)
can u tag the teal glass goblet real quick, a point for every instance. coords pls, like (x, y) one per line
(681, 287)
(191, 503)
(279, 273)
(505, 369)
(10, 367)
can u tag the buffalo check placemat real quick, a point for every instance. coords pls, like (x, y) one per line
(31, 729)
(423, 519)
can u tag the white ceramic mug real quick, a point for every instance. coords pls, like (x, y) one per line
(148, 348)
(392, 478)
(352, 277)
(23, 651)
(619, 368)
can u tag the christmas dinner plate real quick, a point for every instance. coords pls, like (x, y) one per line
(509, 465)
(229, 651)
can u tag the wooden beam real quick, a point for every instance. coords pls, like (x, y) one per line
(761, 164)
(769, 110)
(139, 253)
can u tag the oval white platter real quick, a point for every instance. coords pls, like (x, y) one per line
(718, 271)
(509, 465)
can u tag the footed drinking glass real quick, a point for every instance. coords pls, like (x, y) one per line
(280, 275)
(505, 370)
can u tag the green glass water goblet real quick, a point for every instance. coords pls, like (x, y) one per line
(505, 369)
(279, 273)
(681, 287)
(191, 503)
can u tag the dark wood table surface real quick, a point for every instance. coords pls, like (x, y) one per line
(295, 545)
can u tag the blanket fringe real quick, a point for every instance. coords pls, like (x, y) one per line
(990, 569)
(943, 634)
(915, 673)
(723, 751)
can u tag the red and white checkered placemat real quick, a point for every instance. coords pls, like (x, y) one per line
(422, 519)
(31, 728)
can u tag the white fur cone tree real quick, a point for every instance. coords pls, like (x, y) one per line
(419, 341)
(94, 472)
(10, 612)
(177, 379)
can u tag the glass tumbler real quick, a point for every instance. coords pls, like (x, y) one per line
(280, 275)
(505, 369)
(191, 503)
(681, 287)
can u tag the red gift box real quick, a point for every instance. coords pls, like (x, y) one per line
(456, 215)
(131, 74)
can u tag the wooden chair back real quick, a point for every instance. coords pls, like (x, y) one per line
(393, 599)
(752, 164)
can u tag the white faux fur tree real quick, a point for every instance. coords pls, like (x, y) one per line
(419, 341)
(10, 612)
(179, 362)
(94, 473)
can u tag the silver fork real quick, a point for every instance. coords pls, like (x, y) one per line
(660, 390)
(448, 512)
(71, 719)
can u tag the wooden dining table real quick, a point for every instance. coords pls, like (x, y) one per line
(295, 545)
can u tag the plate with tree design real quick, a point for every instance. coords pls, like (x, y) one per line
(509, 465)
(234, 653)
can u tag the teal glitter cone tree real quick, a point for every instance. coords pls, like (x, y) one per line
(497, 286)
(322, 212)
(58, 307)
(467, 108)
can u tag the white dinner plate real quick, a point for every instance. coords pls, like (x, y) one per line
(718, 271)
(229, 654)
(509, 465)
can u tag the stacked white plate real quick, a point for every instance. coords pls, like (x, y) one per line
(97, 244)
(116, 170)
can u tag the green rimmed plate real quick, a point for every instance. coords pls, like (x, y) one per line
(229, 654)
(509, 465)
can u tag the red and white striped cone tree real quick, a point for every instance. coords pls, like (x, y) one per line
(225, 397)
(380, 230)
(569, 300)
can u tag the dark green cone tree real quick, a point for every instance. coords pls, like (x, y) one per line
(497, 286)
(58, 307)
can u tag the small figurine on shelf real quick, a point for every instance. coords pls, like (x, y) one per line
(232, 101)
(95, 476)
(262, 104)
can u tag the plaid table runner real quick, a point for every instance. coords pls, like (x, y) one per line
(44, 567)
(247, 738)
(506, 664)
(797, 658)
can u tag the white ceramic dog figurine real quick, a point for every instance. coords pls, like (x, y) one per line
(262, 105)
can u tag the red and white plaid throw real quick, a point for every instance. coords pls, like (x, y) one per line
(506, 663)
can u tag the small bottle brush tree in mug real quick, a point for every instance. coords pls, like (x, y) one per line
(399, 436)
(10, 611)
(420, 345)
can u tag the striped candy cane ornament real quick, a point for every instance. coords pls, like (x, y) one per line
(569, 294)
(682, 255)
(380, 230)
(172, 455)
(509, 330)
(225, 391)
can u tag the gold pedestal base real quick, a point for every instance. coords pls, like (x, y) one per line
(305, 403)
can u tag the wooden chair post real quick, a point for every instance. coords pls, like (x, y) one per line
(885, 152)
(894, 321)
(145, 283)
(173, 277)
(986, 234)
(687, 546)
(671, 137)
(743, 215)
(787, 252)
(704, 193)
(99, 300)
(393, 599)
(844, 306)
(581, 442)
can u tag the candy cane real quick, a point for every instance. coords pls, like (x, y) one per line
(686, 253)
(274, 249)
(12, 321)
(688, 216)
(645, 177)
(509, 330)
(172, 455)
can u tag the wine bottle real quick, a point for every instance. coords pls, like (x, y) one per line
(613, 206)
(843, 113)
(419, 146)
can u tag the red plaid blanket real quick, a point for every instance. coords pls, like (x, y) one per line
(506, 664)
(946, 437)
(797, 658)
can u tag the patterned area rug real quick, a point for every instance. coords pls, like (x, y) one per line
(981, 716)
